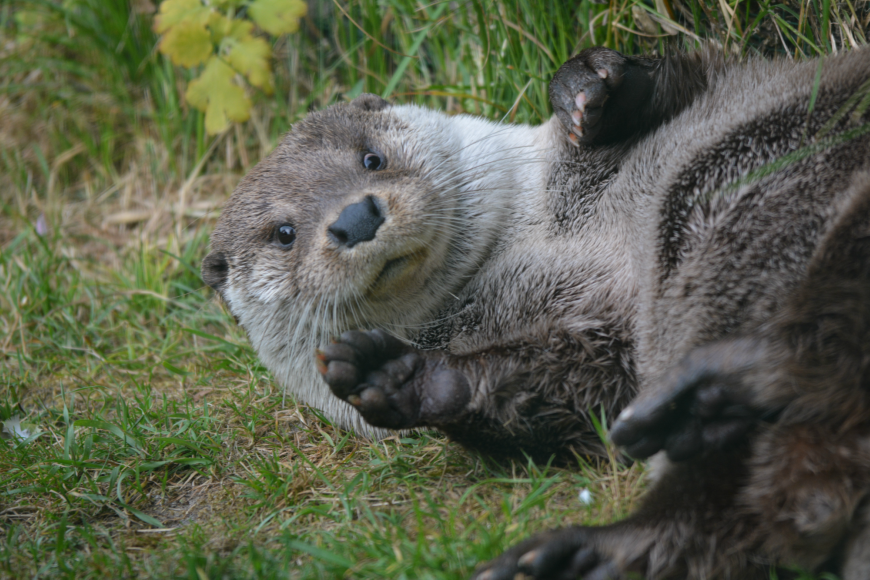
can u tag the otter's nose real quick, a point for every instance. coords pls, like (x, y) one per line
(357, 223)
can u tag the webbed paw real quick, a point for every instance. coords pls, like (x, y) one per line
(592, 99)
(391, 384)
(560, 554)
(707, 405)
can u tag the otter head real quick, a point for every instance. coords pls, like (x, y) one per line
(357, 220)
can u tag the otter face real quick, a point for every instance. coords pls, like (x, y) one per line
(343, 214)
(356, 220)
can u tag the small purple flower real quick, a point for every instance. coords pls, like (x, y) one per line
(41, 225)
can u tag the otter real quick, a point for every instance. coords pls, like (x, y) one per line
(690, 228)
(455, 236)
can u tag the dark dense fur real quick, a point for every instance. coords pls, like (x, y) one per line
(765, 419)
(750, 340)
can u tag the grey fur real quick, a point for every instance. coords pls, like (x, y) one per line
(698, 236)
(753, 337)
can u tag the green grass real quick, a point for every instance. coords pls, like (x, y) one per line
(164, 450)
(160, 446)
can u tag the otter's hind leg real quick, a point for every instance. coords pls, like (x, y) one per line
(809, 363)
(686, 528)
(803, 381)
(783, 464)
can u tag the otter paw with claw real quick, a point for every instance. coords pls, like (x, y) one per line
(599, 95)
(707, 404)
(581, 88)
(560, 554)
(391, 384)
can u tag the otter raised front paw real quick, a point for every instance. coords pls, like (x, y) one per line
(706, 403)
(391, 384)
(560, 554)
(598, 95)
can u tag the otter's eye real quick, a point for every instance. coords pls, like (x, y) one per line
(373, 161)
(285, 234)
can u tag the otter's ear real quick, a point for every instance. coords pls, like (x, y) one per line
(369, 102)
(214, 271)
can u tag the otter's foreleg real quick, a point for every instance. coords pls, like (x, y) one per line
(391, 384)
(602, 96)
(533, 394)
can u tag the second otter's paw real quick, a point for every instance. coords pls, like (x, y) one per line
(707, 403)
(391, 384)
(560, 554)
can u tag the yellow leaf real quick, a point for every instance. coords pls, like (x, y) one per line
(277, 16)
(251, 58)
(187, 44)
(174, 12)
(222, 27)
(215, 93)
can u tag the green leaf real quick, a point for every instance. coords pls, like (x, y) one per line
(187, 44)
(185, 443)
(415, 46)
(251, 58)
(215, 93)
(233, 346)
(277, 16)
(29, 20)
(174, 12)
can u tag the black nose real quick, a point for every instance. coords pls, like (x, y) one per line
(357, 223)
